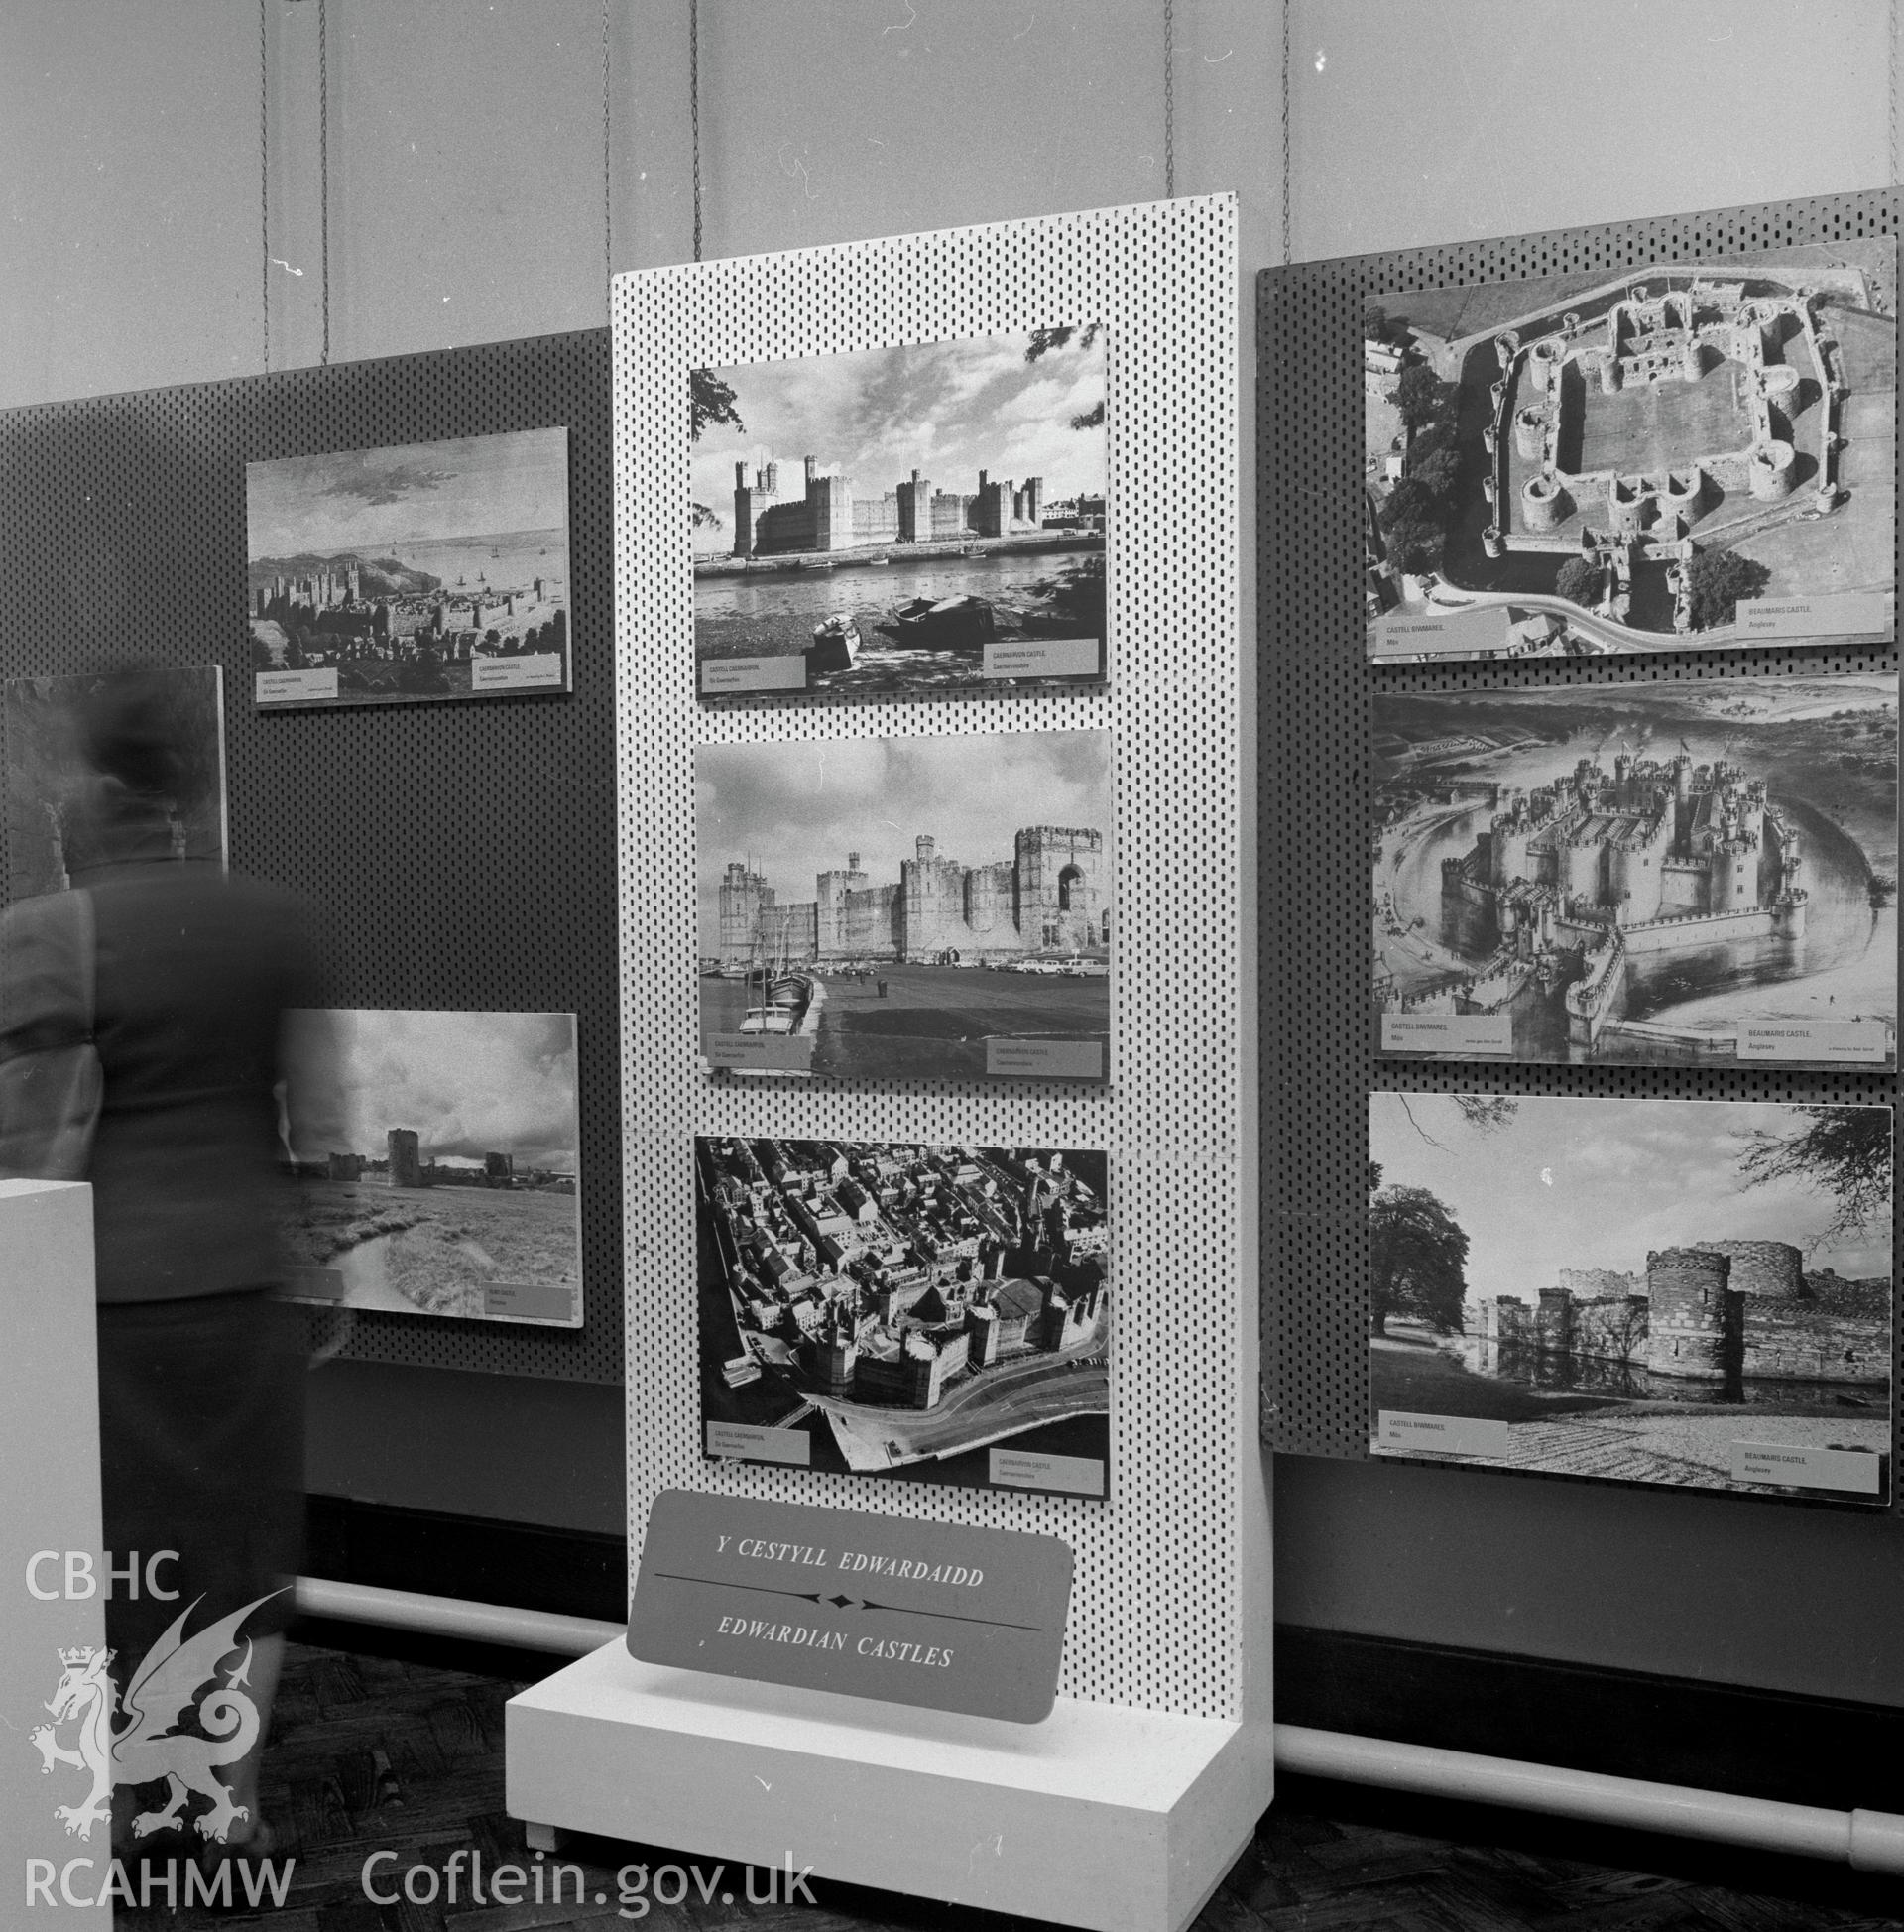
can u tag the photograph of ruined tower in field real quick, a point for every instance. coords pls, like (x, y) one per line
(1618, 464)
(1687, 1293)
(902, 521)
(410, 574)
(907, 1307)
(1697, 871)
(436, 1162)
(920, 909)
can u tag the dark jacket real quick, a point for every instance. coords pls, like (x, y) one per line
(195, 969)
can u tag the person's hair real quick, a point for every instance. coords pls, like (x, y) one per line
(127, 731)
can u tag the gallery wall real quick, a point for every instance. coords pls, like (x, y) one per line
(464, 150)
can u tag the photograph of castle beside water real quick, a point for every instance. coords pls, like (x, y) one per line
(909, 908)
(436, 1162)
(937, 1312)
(410, 574)
(1685, 1293)
(1681, 456)
(909, 521)
(1699, 871)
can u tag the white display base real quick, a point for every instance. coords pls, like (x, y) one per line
(1102, 1816)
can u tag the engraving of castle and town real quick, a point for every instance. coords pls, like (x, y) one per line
(1695, 1294)
(904, 1307)
(1703, 870)
(1674, 455)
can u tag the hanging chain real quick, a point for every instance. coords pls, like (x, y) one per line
(323, 170)
(264, 180)
(694, 108)
(1287, 5)
(1169, 100)
(608, 164)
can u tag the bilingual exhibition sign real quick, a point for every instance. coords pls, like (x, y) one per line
(930, 1613)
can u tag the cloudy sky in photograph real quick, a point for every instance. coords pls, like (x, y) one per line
(795, 810)
(372, 499)
(467, 1083)
(1596, 1183)
(946, 408)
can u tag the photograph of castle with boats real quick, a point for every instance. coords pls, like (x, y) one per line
(1641, 871)
(412, 573)
(437, 1155)
(1618, 462)
(884, 523)
(906, 1307)
(1686, 1292)
(914, 909)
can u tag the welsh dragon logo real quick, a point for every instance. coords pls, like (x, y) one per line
(149, 1745)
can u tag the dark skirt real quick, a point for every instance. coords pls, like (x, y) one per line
(202, 1434)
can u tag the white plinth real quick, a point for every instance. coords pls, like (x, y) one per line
(1102, 1816)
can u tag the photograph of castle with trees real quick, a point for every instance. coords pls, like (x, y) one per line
(412, 573)
(905, 1306)
(1618, 463)
(1636, 1289)
(882, 522)
(1638, 871)
(910, 907)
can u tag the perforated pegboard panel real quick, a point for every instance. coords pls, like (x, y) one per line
(1317, 799)
(1155, 1618)
(461, 855)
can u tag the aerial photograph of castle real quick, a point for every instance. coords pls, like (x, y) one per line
(905, 1307)
(1638, 871)
(416, 572)
(1685, 1293)
(437, 1157)
(1618, 463)
(880, 523)
(920, 908)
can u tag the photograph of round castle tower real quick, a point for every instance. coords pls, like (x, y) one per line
(1600, 1280)
(1619, 461)
(908, 961)
(1637, 872)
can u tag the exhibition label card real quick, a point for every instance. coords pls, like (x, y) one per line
(295, 687)
(1846, 615)
(1026, 1469)
(1790, 1467)
(1045, 658)
(1445, 1435)
(928, 1614)
(539, 671)
(720, 675)
(1854, 1040)
(1044, 1059)
(1442, 634)
(747, 1443)
(760, 1052)
(1466, 1033)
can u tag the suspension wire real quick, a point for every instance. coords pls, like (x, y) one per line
(323, 170)
(1169, 100)
(1893, 65)
(1286, 6)
(694, 108)
(264, 180)
(608, 164)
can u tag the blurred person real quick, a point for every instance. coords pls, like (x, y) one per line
(202, 1373)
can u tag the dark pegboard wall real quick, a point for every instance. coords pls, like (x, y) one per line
(458, 854)
(1317, 796)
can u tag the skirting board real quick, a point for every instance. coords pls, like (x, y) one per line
(1103, 1816)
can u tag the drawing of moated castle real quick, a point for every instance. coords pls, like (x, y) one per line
(1579, 876)
(1048, 896)
(1712, 1311)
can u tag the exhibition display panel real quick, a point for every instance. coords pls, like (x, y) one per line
(1586, 1174)
(1095, 865)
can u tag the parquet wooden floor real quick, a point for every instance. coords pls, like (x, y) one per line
(376, 1754)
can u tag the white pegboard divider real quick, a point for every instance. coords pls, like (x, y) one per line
(1156, 1620)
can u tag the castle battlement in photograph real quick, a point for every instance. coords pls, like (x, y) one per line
(1711, 1310)
(1051, 895)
